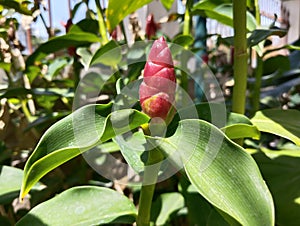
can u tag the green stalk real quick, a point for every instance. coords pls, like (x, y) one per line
(187, 20)
(240, 58)
(150, 177)
(101, 22)
(257, 12)
(186, 31)
(256, 89)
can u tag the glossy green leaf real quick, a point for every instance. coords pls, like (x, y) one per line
(282, 176)
(164, 206)
(223, 13)
(221, 171)
(109, 54)
(74, 134)
(284, 123)
(86, 205)
(10, 183)
(61, 42)
(118, 10)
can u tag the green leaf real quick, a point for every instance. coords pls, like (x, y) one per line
(118, 10)
(241, 131)
(10, 183)
(284, 123)
(167, 4)
(282, 176)
(23, 92)
(86, 25)
(55, 67)
(109, 54)
(16, 5)
(259, 35)
(86, 205)
(85, 57)
(72, 39)
(282, 152)
(223, 13)
(164, 206)
(194, 202)
(5, 66)
(278, 62)
(214, 113)
(133, 149)
(222, 172)
(75, 134)
(183, 40)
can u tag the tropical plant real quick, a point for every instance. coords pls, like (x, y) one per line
(121, 149)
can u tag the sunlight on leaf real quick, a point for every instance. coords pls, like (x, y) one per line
(86, 205)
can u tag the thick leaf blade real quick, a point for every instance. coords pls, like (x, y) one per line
(86, 205)
(221, 171)
(61, 42)
(284, 123)
(259, 35)
(164, 206)
(74, 134)
(16, 5)
(282, 176)
(109, 54)
(241, 131)
(10, 183)
(118, 10)
(222, 12)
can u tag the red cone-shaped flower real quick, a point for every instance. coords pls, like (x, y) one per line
(157, 91)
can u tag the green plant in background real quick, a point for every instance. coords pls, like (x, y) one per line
(217, 180)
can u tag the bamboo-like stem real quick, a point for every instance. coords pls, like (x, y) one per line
(240, 58)
(101, 22)
(150, 177)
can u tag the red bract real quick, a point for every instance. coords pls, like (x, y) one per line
(157, 91)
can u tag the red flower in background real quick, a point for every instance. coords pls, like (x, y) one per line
(72, 49)
(151, 26)
(157, 91)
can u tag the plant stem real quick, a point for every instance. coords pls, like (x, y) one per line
(101, 22)
(186, 31)
(150, 177)
(257, 12)
(240, 58)
(187, 20)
